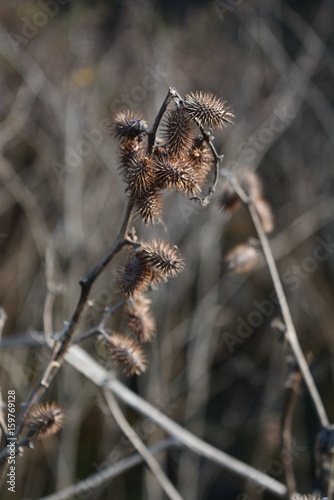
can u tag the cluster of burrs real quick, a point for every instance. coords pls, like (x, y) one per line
(175, 154)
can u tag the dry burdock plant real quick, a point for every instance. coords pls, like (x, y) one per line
(177, 153)
(45, 420)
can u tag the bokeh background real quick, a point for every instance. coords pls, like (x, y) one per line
(66, 67)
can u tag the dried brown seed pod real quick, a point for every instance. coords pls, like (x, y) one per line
(243, 258)
(265, 214)
(138, 320)
(125, 355)
(127, 125)
(148, 205)
(201, 159)
(177, 132)
(135, 276)
(176, 174)
(44, 420)
(208, 109)
(139, 174)
(165, 260)
(129, 151)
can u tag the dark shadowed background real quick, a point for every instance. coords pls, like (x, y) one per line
(216, 365)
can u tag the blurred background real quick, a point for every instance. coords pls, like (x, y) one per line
(216, 366)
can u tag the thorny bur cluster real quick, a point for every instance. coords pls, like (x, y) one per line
(179, 159)
(176, 154)
(173, 155)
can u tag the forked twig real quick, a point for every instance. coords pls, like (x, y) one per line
(153, 131)
(97, 329)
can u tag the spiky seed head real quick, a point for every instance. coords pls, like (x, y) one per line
(139, 322)
(129, 151)
(265, 214)
(139, 174)
(201, 159)
(243, 258)
(164, 260)
(125, 355)
(176, 174)
(160, 150)
(134, 277)
(127, 125)
(208, 109)
(177, 131)
(45, 419)
(148, 205)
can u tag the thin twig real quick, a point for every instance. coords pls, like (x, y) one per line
(96, 480)
(293, 388)
(97, 329)
(287, 439)
(151, 462)
(53, 288)
(109, 311)
(208, 138)
(291, 334)
(153, 131)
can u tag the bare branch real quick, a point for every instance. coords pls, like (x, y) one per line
(152, 133)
